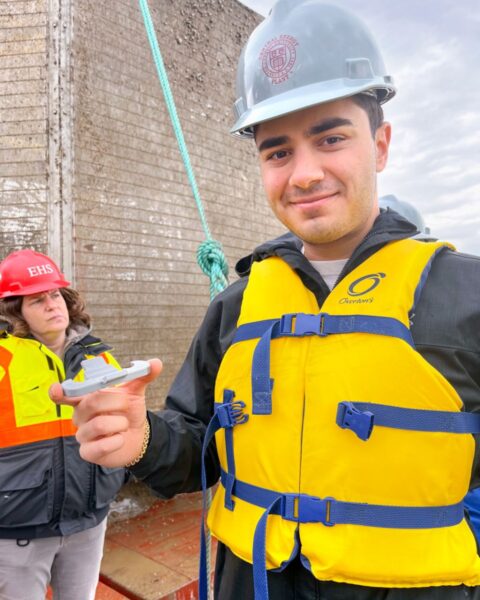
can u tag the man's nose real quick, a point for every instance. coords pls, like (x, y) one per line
(307, 170)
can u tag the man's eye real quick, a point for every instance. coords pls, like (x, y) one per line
(332, 139)
(278, 155)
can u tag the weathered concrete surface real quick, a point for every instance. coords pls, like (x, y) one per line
(137, 229)
(23, 125)
(89, 166)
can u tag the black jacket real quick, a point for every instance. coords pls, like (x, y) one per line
(445, 330)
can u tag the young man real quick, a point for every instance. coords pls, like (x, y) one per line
(339, 373)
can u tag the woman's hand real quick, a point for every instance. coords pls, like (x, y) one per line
(111, 422)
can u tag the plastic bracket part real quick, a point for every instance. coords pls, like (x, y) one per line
(99, 374)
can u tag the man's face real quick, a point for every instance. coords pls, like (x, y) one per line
(319, 169)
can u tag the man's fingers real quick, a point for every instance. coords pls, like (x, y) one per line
(56, 394)
(102, 426)
(99, 451)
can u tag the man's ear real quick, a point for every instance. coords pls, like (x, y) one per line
(382, 144)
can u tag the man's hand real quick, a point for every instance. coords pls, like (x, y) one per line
(111, 422)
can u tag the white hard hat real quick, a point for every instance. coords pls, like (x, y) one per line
(304, 53)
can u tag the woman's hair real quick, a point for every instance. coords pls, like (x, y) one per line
(11, 311)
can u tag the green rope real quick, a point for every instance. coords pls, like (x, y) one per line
(212, 261)
(210, 256)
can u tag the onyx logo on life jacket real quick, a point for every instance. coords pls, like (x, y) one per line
(360, 287)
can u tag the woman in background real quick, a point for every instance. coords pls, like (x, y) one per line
(53, 505)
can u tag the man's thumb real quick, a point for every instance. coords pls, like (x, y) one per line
(137, 386)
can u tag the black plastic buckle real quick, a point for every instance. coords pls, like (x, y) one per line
(360, 422)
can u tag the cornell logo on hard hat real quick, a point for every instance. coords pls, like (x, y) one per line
(278, 58)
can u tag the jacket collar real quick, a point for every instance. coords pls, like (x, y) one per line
(388, 226)
(75, 334)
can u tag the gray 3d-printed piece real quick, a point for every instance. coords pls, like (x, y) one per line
(99, 374)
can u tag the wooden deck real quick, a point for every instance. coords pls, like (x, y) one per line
(154, 556)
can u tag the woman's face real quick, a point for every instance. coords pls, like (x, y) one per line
(46, 314)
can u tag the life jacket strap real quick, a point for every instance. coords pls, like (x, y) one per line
(226, 415)
(303, 508)
(362, 417)
(322, 324)
(301, 325)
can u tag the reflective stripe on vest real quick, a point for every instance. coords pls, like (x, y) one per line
(305, 399)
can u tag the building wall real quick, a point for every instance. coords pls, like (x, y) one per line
(90, 171)
(23, 125)
(136, 228)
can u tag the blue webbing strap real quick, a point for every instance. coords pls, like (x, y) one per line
(300, 325)
(302, 508)
(262, 384)
(367, 324)
(362, 417)
(228, 396)
(260, 581)
(423, 278)
(251, 331)
(322, 324)
(203, 583)
(226, 415)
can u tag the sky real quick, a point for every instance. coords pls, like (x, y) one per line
(432, 50)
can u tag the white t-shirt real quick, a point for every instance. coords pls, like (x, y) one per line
(329, 269)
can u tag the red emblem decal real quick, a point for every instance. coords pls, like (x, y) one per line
(278, 58)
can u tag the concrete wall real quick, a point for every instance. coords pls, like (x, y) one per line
(23, 125)
(121, 203)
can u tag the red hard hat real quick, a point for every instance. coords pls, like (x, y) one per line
(28, 272)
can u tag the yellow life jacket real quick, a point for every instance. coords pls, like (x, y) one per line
(337, 434)
(27, 370)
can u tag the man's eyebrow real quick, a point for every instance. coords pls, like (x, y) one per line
(328, 124)
(273, 142)
(325, 125)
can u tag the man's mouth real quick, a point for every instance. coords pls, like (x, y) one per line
(313, 200)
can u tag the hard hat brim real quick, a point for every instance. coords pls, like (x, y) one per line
(35, 289)
(310, 95)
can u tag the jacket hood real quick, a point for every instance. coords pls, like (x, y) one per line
(75, 334)
(388, 226)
